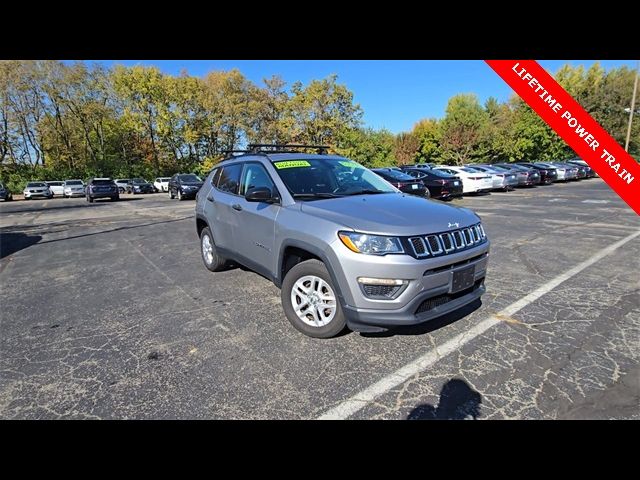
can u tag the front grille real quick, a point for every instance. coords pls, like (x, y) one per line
(433, 302)
(448, 242)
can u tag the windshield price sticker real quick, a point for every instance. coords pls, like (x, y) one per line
(292, 164)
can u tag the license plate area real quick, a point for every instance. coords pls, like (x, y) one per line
(463, 278)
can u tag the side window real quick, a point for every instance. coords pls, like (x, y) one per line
(255, 176)
(216, 176)
(230, 178)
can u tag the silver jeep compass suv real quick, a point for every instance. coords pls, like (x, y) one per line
(345, 247)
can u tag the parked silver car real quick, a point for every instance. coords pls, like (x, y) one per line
(502, 178)
(121, 183)
(346, 247)
(73, 188)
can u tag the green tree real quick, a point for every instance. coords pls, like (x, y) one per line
(428, 132)
(464, 128)
(320, 112)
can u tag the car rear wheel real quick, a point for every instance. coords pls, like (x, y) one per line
(310, 302)
(90, 199)
(210, 257)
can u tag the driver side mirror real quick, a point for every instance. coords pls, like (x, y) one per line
(261, 194)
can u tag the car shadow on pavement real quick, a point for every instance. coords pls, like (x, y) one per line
(429, 325)
(12, 242)
(458, 401)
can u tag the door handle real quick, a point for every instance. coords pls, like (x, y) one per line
(210, 198)
(236, 207)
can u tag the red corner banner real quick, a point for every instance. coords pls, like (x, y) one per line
(576, 127)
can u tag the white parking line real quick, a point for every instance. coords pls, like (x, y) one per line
(363, 398)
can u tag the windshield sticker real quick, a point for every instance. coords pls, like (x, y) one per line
(291, 164)
(351, 164)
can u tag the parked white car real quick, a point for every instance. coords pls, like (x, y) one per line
(473, 181)
(37, 189)
(55, 186)
(73, 188)
(162, 184)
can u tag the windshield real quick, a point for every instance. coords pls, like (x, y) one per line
(189, 178)
(36, 184)
(498, 169)
(138, 180)
(73, 182)
(470, 170)
(440, 173)
(54, 184)
(102, 182)
(329, 177)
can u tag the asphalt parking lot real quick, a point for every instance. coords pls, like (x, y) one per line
(108, 312)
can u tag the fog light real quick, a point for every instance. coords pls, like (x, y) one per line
(382, 288)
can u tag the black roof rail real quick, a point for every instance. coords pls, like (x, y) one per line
(285, 148)
(229, 154)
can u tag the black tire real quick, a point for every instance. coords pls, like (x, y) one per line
(90, 199)
(218, 263)
(171, 196)
(427, 193)
(180, 197)
(316, 268)
(115, 199)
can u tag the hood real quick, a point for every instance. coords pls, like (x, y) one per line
(391, 214)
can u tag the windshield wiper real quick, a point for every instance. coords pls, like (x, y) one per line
(366, 192)
(316, 195)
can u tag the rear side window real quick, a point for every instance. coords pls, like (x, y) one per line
(216, 176)
(229, 179)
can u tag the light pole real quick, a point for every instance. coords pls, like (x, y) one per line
(633, 105)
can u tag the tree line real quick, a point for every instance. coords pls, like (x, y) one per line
(61, 120)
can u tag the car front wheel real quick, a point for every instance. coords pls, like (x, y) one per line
(171, 194)
(310, 302)
(179, 194)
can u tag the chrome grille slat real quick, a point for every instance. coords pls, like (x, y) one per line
(419, 246)
(447, 242)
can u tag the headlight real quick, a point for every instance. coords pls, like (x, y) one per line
(370, 244)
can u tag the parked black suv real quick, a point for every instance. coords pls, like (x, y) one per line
(184, 185)
(101, 188)
(139, 185)
(5, 194)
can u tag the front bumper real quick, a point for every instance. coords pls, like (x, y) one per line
(361, 320)
(427, 279)
(77, 193)
(37, 195)
(189, 193)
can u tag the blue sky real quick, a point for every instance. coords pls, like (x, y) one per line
(394, 94)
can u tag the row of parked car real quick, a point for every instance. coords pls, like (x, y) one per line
(445, 182)
(179, 186)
